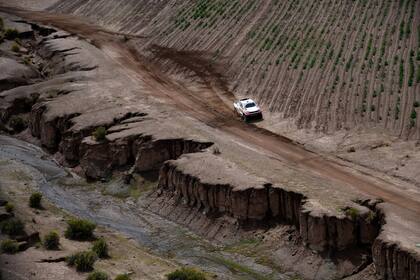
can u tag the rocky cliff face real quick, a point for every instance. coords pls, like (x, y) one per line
(393, 262)
(251, 201)
(262, 204)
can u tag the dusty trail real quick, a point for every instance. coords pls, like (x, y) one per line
(209, 108)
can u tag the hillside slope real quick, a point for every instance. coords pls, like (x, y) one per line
(328, 65)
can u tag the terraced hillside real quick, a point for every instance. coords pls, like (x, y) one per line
(327, 65)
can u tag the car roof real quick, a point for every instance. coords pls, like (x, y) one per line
(246, 101)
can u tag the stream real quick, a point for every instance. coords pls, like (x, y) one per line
(152, 232)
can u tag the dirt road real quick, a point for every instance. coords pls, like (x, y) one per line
(212, 107)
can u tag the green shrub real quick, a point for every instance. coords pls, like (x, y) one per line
(79, 229)
(9, 207)
(17, 123)
(413, 114)
(98, 275)
(11, 34)
(100, 133)
(27, 61)
(35, 200)
(122, 277)
(9, 246)
(83, 261)
(1, 28)
(51, 241)
(352, 212)
(12, 227)
(15, 48)
(100, 248)
(186, 274)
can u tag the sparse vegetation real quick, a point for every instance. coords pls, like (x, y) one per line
(15, 47)
(100, 133)
(35, 200)
(11, 34)
(9, 246)
(186, 273)
(79, 229)
(371, 216)
(122, 277)
(82, 261)
(353, 213)
(98, 275)
(51, 241)
(9, 207)
(100, 248)
(12, 227)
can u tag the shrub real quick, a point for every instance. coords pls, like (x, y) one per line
(15, 48)
(51, 241)
(98, 275)
(352, 212)
(12, 226)
(9, 207)
(11, 34)
(186, 274)
(122, 277)
(83, 261)
(100, 133)
(35, 200)
(79, 229)
(9, 246)
(1, 28)
(17, 123)
(413, 114)
(27, 61)
(100, 248)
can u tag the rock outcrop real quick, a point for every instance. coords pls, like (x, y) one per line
(217, 187)
(394, 262)
(13, 74)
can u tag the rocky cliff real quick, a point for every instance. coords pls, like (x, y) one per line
(250, 200)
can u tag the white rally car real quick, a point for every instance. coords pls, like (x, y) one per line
(247, 109)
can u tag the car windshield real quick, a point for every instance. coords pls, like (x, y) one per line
(250, 105)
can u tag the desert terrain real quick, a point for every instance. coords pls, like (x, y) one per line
(122, 114)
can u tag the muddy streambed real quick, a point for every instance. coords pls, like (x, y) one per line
(151, 231)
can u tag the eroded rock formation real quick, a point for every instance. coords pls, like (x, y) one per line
(250, 200)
